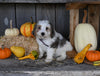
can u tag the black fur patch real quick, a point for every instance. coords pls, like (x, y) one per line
(52, 31)
(58, 42)
(55, 44)
(62, 42)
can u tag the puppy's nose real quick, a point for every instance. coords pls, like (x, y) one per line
(42, 33)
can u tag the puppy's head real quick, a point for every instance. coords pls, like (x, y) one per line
(43, 29)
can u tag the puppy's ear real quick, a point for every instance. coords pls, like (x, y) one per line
(34, 30)
(52, 31)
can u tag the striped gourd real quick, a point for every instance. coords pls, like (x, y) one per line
(27, 28)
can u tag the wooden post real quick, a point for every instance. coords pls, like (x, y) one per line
(93, 17)
(74, 21)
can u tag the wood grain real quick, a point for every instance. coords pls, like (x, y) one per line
(74, 21)
(24, 12)
(62, 20)
(46, 12)
(34, 1)
(75, 5)
(7, 12)
(93, 16)
(50, 1)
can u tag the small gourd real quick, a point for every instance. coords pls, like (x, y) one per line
(4, 52)
(33, 55)
(27, 28)
(11, 31)
(79, 58)
(17, 51)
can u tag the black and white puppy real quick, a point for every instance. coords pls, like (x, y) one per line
(51, 42)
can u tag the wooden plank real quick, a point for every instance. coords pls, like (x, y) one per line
(7, 12)
(88, 1)
(80, 4)
(62, 20)
(46, 12)
(93, 16)
(74, 21)
(81, 15)
(24, 12)
(51, 1)
(75, 5)
(34, 1)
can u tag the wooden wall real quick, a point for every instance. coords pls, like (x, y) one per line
(21, 13)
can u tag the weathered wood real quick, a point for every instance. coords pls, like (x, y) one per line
(7, 12)
(50, 1)
(75, 5)
(80, 4)
(62, 20)
(93, 16)
(87, 1)
(81, 15)
(34, 1)
(24, 12)
(74, 21)
(46, 12)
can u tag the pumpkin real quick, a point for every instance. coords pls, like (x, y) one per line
(27, 28)
(79, 58)
(85, 34)
(5, 53)
(93, 55)
(11, 31)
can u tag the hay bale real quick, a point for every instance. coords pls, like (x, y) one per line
(28, 43)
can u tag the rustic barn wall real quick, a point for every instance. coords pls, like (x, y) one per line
(24, 12)
(62, 20)
(7, 12)
(21, 13)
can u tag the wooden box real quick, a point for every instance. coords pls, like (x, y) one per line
(93, 15)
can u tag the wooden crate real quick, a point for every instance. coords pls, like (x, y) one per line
(93, 15)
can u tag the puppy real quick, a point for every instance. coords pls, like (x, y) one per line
(51, 42)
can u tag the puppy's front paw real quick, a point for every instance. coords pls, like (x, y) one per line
(48, 60)
(60, 59)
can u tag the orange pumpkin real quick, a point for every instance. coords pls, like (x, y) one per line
(5, 53)
(93, 55)
(27, 28)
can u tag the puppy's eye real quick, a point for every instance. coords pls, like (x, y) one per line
(47, 28)
(39, 27)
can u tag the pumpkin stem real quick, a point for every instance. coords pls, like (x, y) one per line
(11, 24)
(85, 15)
(33, 36)
(31, 20)
(2, 46)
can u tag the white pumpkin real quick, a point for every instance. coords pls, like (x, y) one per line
(11, 31)
(85, 34)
